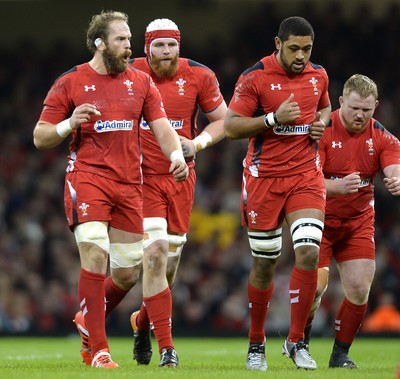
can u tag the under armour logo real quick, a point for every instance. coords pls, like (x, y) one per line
(336, 144)
(274, 87)
(92, 87)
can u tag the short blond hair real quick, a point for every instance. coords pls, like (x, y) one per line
(362, 85)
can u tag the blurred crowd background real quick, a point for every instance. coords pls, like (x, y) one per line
(39, 262)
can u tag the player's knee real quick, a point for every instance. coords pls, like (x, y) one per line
(94, 232)
(307, 232)
(358, 294)
(306, 235)
(321, 289)
(126, 255)
(127, 278)
(155, 229)
(266, 244)
(176, 243)
(323, 280)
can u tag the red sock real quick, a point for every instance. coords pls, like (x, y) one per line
(348, 321)
(303, 285)
(159, 309)
(92, 302)
(114, 294)
(258, 303)
(142, 320)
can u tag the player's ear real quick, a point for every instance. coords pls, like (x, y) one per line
(99, 43)
(278, 43)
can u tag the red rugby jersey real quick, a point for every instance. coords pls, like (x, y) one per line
(342, 153)
(283, 149)
(107, 145)
(194, 85)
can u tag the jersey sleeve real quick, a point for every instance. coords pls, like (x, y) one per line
(153, 106)
(210, 96)
(322, 149)
(245, 96)
(57, 104)
(390, 152)
(324, 101)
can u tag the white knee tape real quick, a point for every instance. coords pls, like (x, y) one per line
(155, 228)
(124, 255)
(93, 232)
(306, 231)
(176, 243)
(266, 244)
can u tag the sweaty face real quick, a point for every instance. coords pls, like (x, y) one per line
(164, 57)
(117, 53)
(294, 54)
(355, 112)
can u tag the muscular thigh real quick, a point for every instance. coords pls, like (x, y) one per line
(127, 213)
(266, 201)
(350, 239)
(357, 274)
(86, 198)
(307, 192)
(173, 201)
(89, 197)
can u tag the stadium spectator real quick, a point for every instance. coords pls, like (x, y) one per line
(94, 103)
(354, 147)
(186, 86)
(282, 180)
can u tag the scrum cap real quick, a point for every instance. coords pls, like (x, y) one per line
(160, 28)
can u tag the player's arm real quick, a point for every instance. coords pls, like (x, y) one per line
(47, 135)
(392, 179)
(237, 126)
(211, 134)
(170, 145)
(321, 120)
(347, 185)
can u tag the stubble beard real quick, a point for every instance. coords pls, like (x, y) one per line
(289, 67)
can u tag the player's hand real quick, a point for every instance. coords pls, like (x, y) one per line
(288, 111)
(350, 183)
(393, 185)
(179, 169)
(82, 114)
(317, 128)
(188, 147)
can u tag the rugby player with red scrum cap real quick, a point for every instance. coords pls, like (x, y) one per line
(185, 86)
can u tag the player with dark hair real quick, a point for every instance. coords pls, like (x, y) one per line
(282, 105)
(100, 103)
(185, 86)
(353, 149)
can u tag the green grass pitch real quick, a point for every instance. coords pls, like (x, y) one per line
(59, 358)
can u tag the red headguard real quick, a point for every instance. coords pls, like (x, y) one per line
(160, 28)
